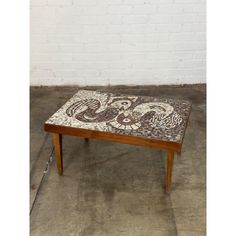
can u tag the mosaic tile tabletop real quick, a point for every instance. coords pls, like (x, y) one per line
(147, 117)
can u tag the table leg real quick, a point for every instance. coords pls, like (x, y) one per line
(57, 140)
(86, 140)
(170, 159)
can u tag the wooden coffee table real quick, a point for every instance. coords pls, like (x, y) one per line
(139, 120)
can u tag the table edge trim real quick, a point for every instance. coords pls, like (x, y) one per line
(126, 139)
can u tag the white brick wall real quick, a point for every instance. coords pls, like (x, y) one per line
(101, 42)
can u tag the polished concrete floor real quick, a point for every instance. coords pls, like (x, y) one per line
(112, 189)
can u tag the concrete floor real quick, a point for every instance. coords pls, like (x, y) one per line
(112, 189)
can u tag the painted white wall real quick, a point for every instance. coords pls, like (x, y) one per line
(111, 42)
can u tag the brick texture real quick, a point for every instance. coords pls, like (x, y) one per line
(111, 42)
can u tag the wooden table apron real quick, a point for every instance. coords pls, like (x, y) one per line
(58, 131)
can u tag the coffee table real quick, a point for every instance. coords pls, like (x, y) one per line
(139, 120)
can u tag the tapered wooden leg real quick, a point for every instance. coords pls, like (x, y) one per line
(57, 140)
(86, 140)
(170, 159)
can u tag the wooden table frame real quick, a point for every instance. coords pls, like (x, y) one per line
(58, 131)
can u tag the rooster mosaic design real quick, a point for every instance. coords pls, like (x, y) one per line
(124, 113)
